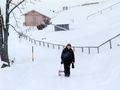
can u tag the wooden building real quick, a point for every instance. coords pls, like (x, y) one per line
(34, 18)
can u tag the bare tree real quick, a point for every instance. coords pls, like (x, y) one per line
(4, 31)
(1, 32)
(4, 28)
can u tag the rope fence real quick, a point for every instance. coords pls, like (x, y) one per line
(60, 46)
(101, 11)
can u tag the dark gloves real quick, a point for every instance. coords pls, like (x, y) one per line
(61, 62)
(73, 66)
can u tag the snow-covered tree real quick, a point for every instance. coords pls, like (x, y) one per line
(10, 6)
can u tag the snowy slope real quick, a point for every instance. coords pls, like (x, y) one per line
(82, 30)
(92, 72)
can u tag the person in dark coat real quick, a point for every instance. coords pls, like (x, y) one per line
(67, 58)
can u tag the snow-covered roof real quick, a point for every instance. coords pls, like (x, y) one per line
(38, 13)
(43, 11)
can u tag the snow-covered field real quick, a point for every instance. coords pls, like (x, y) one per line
(92, 72)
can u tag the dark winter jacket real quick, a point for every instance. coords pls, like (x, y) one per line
(67, 55)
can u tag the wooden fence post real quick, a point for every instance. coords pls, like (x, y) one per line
(73, 48)
(110, 44)
(89, 50)
(43, 43)
(64, 46)
(29, 39)
(58, 47)
(48, 45)
(39, 43)
(32, 53)
(82, 49)
(98, 50)
(34, 41)
(53, 46)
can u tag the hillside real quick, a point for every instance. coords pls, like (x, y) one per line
(92, 72)
(82, 30)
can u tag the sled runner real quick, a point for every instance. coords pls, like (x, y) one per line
(60, 73)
